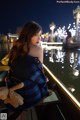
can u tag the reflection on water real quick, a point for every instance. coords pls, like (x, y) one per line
(56, 55)
(66, 66)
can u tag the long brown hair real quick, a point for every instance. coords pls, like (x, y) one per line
(28, 31)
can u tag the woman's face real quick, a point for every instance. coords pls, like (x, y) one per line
(36, 38)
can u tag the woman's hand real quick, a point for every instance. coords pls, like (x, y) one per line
(16, 87)
(47, 80)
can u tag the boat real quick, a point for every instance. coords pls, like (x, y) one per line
(61, 106)
(68, 106)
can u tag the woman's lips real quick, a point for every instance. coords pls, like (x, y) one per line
(37, 42)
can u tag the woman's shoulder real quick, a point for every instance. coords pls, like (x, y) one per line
(40, 53)
(39, 50)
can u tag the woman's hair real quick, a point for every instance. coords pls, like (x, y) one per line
(28, 31)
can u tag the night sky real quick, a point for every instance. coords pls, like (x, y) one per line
(15, 13)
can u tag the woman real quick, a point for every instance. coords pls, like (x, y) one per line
(25, 61)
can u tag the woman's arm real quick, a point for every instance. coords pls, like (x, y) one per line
(16, 87)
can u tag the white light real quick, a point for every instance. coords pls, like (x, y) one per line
(76, 72)
(52, 27)
(71, 89)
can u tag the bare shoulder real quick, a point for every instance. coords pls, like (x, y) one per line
(37, 51)
(40, 53)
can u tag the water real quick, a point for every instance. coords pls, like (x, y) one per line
(65, 65)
